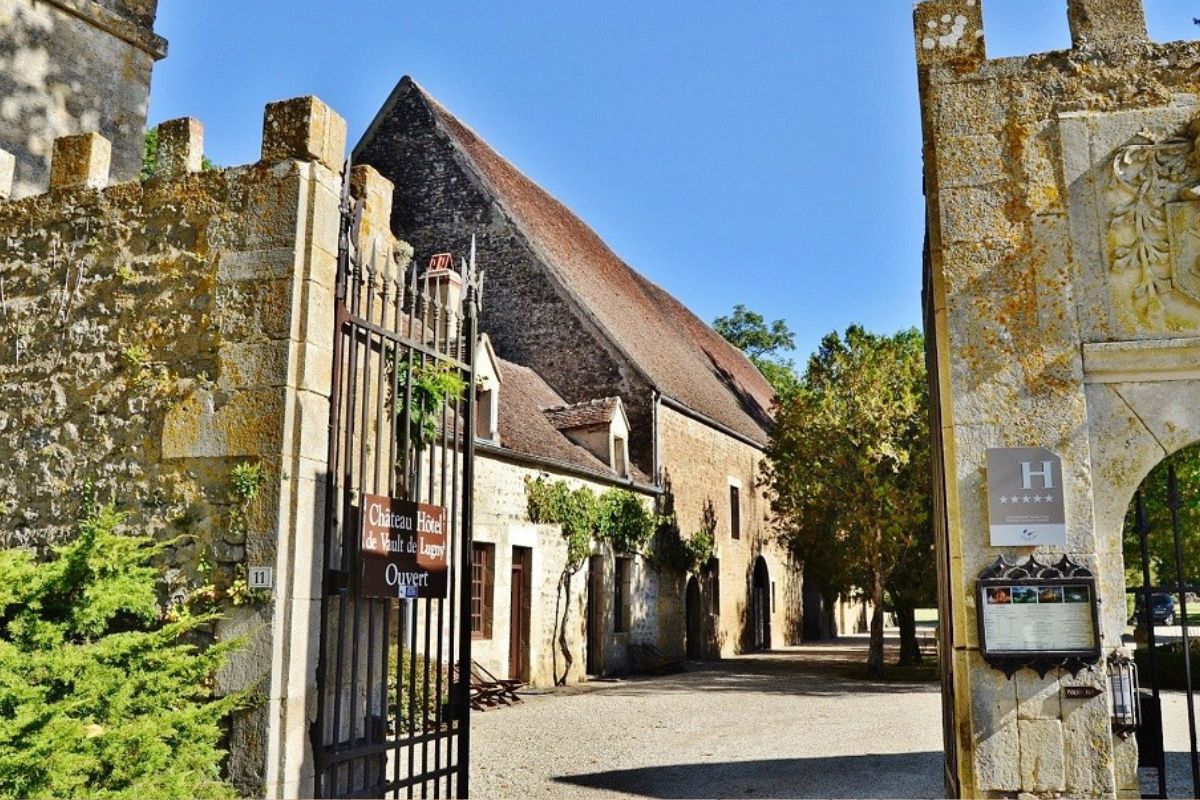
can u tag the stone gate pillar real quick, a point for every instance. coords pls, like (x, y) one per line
(1062, 302)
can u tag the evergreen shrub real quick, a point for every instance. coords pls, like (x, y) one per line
(102, 694)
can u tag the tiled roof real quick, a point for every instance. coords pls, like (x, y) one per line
(684, 358)
(582, 415)
(524, 427)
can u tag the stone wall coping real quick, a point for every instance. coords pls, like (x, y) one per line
(1144, 360)
(95, 14)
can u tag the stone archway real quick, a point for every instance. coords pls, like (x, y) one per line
(760, 606)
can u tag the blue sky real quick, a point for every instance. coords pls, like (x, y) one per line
(764, 152)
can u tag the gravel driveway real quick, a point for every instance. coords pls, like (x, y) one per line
(755, 726)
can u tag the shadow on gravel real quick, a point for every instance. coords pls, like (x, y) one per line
(897, 775)
(772, 675)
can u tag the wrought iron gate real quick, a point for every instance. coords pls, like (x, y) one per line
(392, 674)
(1172, 580)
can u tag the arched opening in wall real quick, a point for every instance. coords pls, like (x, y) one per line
(760, 606)
(694, 622)
(1024, 27)
(1161, 547)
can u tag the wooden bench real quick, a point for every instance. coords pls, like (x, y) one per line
(488, 691)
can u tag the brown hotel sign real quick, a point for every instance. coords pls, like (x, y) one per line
(403, 548)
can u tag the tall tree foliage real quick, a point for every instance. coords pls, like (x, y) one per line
(849, 470)
(764, 344)
(1161, 540)
(100, 695)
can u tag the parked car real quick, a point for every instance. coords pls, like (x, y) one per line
(1162, 610)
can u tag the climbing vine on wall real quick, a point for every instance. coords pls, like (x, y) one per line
(670, 549)
(617, 516)
(434, 385)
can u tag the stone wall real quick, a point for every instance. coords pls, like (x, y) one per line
(158, 334)
(70, 67)
(699, 465)
(1063, 307)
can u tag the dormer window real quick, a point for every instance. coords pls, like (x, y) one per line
(487, 392)
(600, 427)
(485, 414)
(620, 457)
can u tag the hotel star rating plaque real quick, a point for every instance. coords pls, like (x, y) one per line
(1025, 498)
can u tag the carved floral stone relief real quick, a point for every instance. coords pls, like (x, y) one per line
(1153, 236)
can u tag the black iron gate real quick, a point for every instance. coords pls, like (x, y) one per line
(1152, 611)
(392, 717)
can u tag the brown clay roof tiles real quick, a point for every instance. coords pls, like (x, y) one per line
(525, 429)
(684, 358)
(582, 415)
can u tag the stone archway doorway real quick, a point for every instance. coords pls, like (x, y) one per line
(1161, 550)
(760, 606)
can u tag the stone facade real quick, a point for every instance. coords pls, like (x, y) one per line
(439, 206)
(501, 520)
(727, 462)
(71, 67)
(558, 301)
(157, 335)
(1062, 311)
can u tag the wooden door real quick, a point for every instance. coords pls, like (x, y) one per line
(595, 616)
(518, 628)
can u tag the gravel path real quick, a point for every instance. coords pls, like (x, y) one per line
(768, 725)
(783, 724)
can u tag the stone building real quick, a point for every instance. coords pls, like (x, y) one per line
(158, 334)
(1062, 310)
(559, 302)
(528, 432)
(69, 67)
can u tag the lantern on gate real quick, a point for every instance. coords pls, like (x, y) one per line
(1126, 704)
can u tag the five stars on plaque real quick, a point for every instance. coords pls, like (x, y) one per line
(1036, 498)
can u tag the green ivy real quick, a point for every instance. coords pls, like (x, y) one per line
(433, 385)
(623, 521)
(670, 549)
(617, 516)
(556, 504)
(101, 695)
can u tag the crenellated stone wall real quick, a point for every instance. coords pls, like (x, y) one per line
(1063, 308)
(158, 334)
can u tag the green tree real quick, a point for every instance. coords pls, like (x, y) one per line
(764, 344)
(848, 466)
(100, 695)
(150, 155)
(1161, 539)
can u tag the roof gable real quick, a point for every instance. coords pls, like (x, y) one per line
(680, 355)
